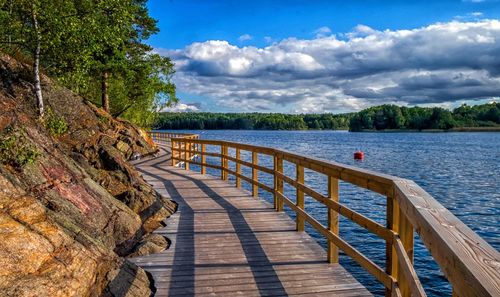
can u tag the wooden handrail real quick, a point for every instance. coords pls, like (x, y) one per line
(470, 264)
(165, 137)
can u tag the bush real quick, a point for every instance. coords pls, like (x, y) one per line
(57, 125)
(15, 151)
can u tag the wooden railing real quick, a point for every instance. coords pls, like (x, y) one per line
(165, 137)
(470, 264)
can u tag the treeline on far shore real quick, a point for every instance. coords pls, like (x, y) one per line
(379, 118)
(251, 121)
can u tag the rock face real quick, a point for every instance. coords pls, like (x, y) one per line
(71, 206)
(151, 244)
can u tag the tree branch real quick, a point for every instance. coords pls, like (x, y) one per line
(117, 114)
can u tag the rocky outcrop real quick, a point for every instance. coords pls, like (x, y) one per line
(71, 206)
(150, 244)
(128, 280)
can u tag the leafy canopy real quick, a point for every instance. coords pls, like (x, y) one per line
(82, 39)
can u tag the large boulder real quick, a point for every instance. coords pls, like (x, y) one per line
(151, 244)
(71, 205)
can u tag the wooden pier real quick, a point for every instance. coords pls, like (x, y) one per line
(227, 242)
(224, 242)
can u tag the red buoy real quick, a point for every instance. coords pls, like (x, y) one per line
(359, 155)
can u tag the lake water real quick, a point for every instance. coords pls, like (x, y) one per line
(460, 170)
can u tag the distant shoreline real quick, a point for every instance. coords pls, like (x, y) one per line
(383, 118)
(457, 129)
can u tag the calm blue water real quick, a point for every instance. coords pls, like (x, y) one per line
(461, 170)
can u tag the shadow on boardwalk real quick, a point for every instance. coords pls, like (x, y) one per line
(226, 243)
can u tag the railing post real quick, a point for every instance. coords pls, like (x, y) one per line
(179, 153)
(398, 222)
(278, 182)
(172, 148)
(391, 257)
(238, 168)
(183, 151)
(188, 155)
(300, 197)
(275, 197)
(255, 176)
(226, 162)
(333, 219)
(203, 159)
(406, 236)
(223, 162)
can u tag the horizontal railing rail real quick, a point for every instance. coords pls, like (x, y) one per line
(470, 264)
(165, 137)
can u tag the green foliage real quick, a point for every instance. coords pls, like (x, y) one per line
(249, 121)
(143, 89)
(59, 26)
(139, 80)
(15, 151)
(418, 118)
(476, 116)
(375, 118)
(55, 124)
(81, 40)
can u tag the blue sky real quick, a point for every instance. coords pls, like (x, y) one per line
(253, 35)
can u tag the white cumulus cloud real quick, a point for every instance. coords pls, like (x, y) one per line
(443, 62)
(183, 107)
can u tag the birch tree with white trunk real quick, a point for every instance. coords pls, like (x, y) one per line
(36, 62)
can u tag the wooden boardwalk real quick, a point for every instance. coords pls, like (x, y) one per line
(224, 242)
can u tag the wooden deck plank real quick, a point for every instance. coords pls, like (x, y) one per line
(224, 242)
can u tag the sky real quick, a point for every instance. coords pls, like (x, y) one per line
(329, 56)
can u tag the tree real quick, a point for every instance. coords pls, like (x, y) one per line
(36, 58)
(316, 125)
(94, 47)
(134, 82)
(119, 28)
(381, 121)
(145, 85)
(441, 119)
(399, 119)
(33, 27)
